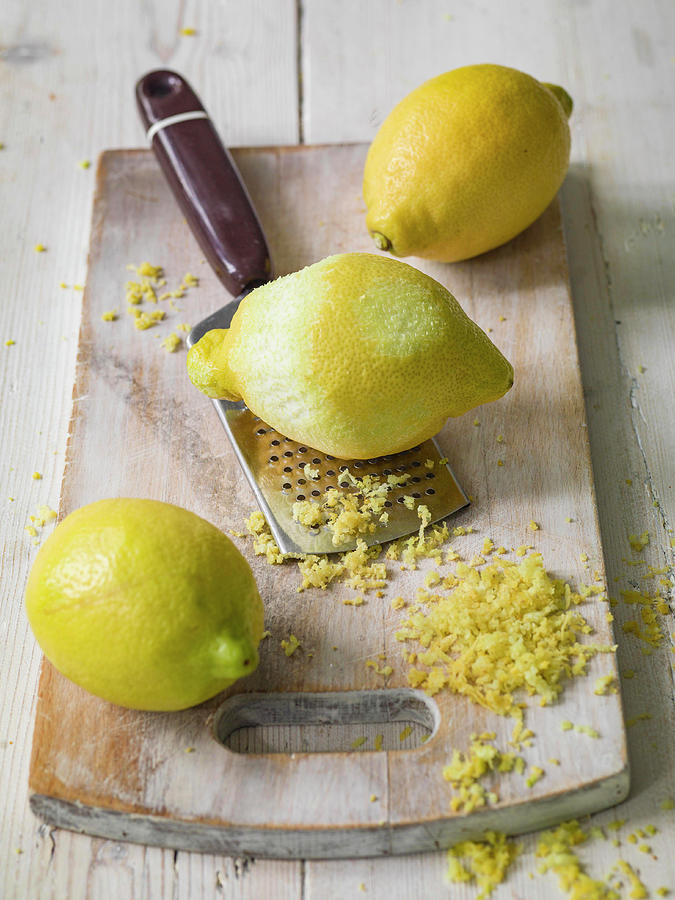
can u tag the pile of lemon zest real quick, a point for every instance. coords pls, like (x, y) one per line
(485, 861)
(291, 645)
(502, 628)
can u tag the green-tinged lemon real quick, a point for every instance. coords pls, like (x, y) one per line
(144, 604)
(357, 356)
(466, 162)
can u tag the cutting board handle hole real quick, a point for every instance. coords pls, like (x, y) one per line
(326, 722)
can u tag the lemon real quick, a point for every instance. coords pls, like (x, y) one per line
(466, 162)
(144, 604)
(357, 356)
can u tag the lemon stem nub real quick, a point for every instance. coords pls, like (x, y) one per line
(381, 241)
(562, 97)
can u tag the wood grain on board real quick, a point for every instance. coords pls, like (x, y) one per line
(140, 429)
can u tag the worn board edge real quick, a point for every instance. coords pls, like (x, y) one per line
(329, 843)
(320, 842)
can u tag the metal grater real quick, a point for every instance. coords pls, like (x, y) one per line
(274, 466)
(217, 207)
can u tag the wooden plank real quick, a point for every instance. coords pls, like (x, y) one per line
(139, 429)
(66, 93)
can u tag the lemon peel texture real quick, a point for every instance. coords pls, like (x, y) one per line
(466, 162)
(144, 604)
(357, 356)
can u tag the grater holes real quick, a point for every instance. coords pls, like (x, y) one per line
(429, 475)
(388, 503)
(300, 497)
(288, 469)
(288, 453)
(261, 431)
(416, 464)
(416, 495)
(275, 442)
(287, 485)
(430, 491)
(302, 449)
(415, 480)
(302, 481)
(316, 493)
(274, 459)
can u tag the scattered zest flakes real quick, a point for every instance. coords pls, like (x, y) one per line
(407, 731)
(188, 32)
(485, 862)
(171, 343)
(566, 725)
(40, 248)
(379, 739)
(533, 526)
(536, 773)
(291, 645)
(9, 342)
(385, 671)
(109, 316)
(84, 163)
(555, 849)
(606, 684)
(464, 772)
(359, 742)
(638, 891)
(638, 542)
(37, 476)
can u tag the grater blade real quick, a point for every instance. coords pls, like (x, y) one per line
(274, 467)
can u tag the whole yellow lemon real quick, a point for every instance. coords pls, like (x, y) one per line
(466, 162)
(144, 604)
(357, 356)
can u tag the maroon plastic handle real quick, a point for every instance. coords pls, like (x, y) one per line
(205, 181)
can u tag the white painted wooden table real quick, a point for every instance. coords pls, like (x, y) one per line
(275, 72)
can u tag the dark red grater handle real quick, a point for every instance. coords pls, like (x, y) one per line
(204, 180)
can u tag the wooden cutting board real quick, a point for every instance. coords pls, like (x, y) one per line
(140, 429)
